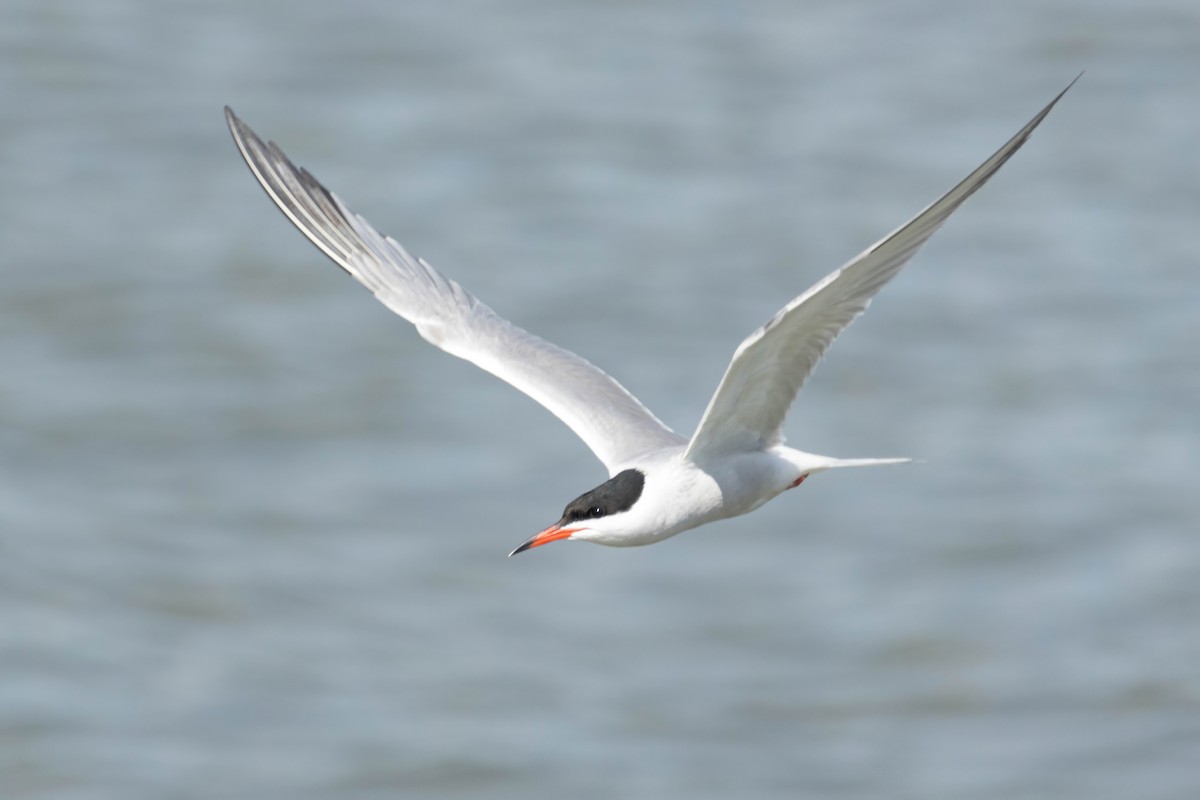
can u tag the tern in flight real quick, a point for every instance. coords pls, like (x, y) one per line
(660, 483)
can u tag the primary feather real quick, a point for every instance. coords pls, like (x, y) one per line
(601, 412)
(768, 368)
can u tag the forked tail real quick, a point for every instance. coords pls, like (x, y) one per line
(863, 462)
(808, 463)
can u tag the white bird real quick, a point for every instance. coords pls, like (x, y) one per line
(660, 483)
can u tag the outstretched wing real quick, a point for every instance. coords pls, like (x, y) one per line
(771, 365)
(599, 410)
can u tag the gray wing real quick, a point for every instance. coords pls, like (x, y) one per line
(599, 410)
(771, 365)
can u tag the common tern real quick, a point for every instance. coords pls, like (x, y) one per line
(660, 483)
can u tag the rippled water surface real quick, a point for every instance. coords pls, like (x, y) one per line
(252, 528)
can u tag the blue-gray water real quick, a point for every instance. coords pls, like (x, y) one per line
(252, 528)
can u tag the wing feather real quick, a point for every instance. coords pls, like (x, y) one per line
(610, 420)
(769, 367)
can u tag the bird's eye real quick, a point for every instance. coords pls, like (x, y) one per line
(595, 512)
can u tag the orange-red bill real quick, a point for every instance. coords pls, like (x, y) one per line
(551, 534)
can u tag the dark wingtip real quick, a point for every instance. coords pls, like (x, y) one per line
(232, 119)
(1067, 88)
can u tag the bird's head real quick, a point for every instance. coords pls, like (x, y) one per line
(601, 515)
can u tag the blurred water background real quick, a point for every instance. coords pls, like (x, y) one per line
(252, 528)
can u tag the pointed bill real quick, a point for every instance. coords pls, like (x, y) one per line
(551, 534)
